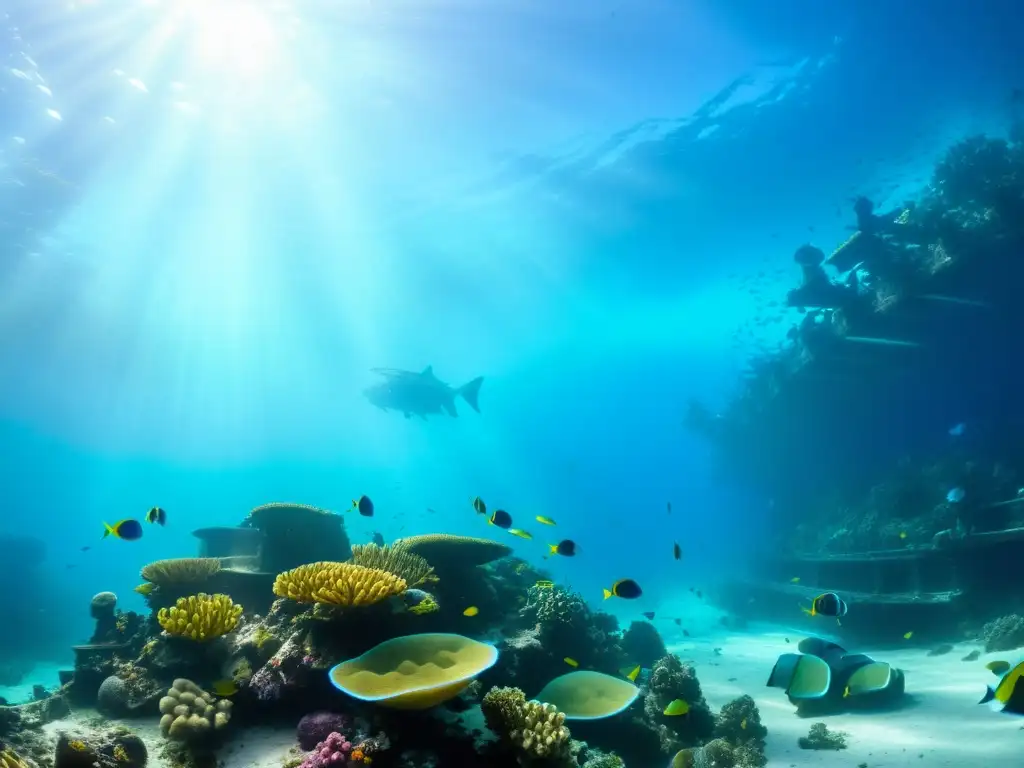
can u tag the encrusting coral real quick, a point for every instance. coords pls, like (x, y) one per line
(342, 584)
(820, 737)
(189, 713)
(181, 570)
(396, 559)
(200, 617)
(537, 729)
(1004, 634)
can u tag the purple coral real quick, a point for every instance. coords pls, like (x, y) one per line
(332, 752)
(318, 726)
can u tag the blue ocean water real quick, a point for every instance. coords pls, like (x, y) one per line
(256, 203)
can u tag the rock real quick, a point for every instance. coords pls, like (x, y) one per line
(112, 698)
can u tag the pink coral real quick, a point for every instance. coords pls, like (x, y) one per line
(332, 752)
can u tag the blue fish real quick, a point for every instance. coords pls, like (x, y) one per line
(957, 430)
(378, 538)
(364, 505)
(956, 495)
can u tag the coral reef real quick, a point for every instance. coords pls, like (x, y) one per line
(820, 737)
(188, 713)
(200, 617)
(341, 584)
(670, 680)
(1003, 634)
(642, 644)
(739, 724)
(536, 730)
(296, 534)
(114, 748)
(397, 559)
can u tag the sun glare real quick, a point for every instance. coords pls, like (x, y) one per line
(231, 35)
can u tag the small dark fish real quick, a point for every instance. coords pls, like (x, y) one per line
(431, 510)
(699, 594)
(940, 650)
(649, 615)
(679, 622)
(377, 538)
(972, 656)
(86, 548)
(501, 518)
(669, 506)
(128, 530)
(828, 604)
(624, 588)
(566, 548)
(686, 633)
(157, 515)
(364, 505)
(479, 506)
(677, 551)
(691, 589)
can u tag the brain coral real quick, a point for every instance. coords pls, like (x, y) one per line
(200, 617)
(341, 584)
(188, 712)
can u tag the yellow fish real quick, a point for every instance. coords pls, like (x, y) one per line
(544, 584)
(225, 688)
(544, 520)
(630, 674)
(795, 580)
(903, 534)
(908, 635)
(677, 707)
(471, 611)
(571, 662)
(743, 725)
(998, 667)
(521, 533)
(146, 588)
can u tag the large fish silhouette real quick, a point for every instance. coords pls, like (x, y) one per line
(420, 394)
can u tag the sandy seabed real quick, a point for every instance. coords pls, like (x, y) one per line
(941, 725)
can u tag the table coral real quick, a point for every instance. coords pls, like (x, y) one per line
(396, 559)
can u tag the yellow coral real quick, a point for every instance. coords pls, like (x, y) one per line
(120, 754)
(78, 745)
(9, 759)
(343, 584)
(357, 755)
(200, 617)
(394, 559)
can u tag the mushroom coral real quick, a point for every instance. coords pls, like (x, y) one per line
(414, 671)
(589, 695)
